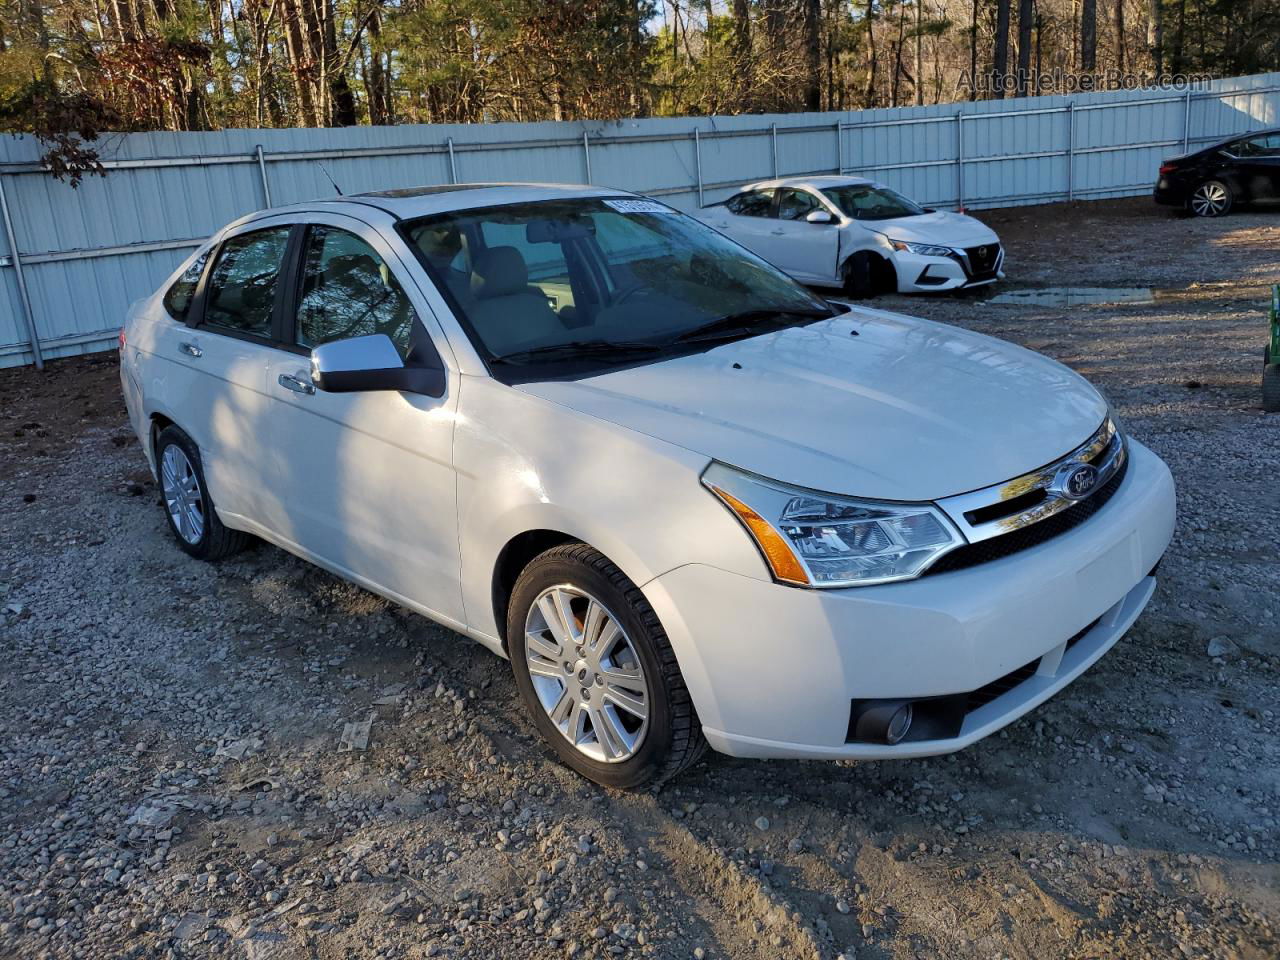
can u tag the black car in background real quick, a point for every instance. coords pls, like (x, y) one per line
(1211, 181)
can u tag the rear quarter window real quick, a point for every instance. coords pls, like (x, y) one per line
(177, 299)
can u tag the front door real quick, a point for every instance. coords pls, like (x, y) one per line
(364, 482)
(805, 250)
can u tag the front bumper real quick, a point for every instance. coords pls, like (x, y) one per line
(773, 670)
(921, 274)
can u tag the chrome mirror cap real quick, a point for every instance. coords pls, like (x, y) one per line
(819, 216)
(368, 363)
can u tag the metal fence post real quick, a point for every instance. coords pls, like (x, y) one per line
(697, 162)
(15, 259)
(960, 161)
(773, 141)
(1071, 149)
(839, 148)
(586, 154)
(262, 171)
(1186, 121)
(453, 166)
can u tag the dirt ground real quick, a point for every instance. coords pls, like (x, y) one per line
(172, 782)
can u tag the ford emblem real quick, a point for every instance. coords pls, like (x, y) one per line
(1079, 482)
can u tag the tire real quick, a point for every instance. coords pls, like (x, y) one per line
(645, 752)
(859, 276)
(1271, 388)
(190, 513)
(1212, 198)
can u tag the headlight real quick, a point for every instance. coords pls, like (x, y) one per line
(818, 540)
(921, 249)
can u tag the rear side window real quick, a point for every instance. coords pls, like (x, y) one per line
(242, 286)
(1264, 146)
(349, 291)
(796, 204)
(753, 203)
(178, 300)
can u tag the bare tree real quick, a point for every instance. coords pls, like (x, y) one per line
(812, 11)
(1155, 36)
(1026, 18)
(1000, 66)
(1089, 36)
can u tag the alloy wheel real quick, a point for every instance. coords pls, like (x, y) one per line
(182, 496)
(1209, 200)
(586, 674)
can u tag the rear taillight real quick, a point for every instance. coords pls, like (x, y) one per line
(122, 338)
(1167, 168)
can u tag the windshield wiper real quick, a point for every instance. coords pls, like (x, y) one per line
(578, 348)
(735, 324)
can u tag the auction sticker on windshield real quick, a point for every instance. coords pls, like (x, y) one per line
(638, 206)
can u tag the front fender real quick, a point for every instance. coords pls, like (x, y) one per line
(525, 463)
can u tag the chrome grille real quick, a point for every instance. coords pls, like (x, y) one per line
(1024, 501)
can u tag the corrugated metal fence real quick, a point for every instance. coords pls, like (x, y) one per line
(85, 254)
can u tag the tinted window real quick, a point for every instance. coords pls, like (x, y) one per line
(753, 203)
(870, 201)
(796, 204)
(242, 287)
(178, 300)
(1264, 146)
(349, 291)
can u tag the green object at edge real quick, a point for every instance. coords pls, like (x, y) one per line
(1275, 323)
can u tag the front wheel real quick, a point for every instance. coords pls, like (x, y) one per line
(1271, 388)
(1211, 199)
(597, 673)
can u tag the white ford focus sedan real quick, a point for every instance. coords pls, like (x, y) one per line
(858, 235)
(693, 503)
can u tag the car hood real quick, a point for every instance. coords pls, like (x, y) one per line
(941, 227)
(907, 409)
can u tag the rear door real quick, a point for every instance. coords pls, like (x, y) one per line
(363, 483)
(747, 218)
(805, 250)
(1257, 166)
(221, 353)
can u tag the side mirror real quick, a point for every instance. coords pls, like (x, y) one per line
(370, 363)
(819, 216)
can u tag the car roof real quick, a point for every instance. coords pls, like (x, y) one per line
(409, 203)
(818, 182)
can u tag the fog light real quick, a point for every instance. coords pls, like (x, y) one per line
(899, 724)
(881, 721)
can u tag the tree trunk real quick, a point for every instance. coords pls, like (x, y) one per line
(1155, 37)
(1179, 37)
(1089, 36)
(1120, 43)
(1000, 68)
(919, 53)
(871, 54)
(1026, 18)
(812, 55)
(973, 53)
(742, 50)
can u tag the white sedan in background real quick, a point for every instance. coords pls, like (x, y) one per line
(858, 235)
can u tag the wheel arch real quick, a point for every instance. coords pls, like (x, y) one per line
(515, 555)
(884, 275)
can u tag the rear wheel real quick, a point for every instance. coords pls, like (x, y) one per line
(188, 508)
(1211, 199)
(597, 673)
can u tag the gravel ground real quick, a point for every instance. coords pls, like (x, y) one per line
(173, 781)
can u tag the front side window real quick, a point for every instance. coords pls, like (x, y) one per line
(349, 291)
(796, 204)
(242, 287)
(753, 203)
(177, 301)
(614, 272)
(870, 201)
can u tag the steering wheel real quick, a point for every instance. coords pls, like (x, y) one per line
(623, 295)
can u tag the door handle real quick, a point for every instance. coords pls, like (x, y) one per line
(190, 349)
(778, 233)
(296, 384)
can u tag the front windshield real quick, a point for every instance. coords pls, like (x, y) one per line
(547, 275)
(869, 201)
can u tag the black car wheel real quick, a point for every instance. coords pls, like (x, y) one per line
(1211, 199)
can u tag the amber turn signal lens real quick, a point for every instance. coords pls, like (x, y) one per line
(777, 552)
